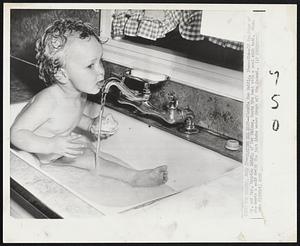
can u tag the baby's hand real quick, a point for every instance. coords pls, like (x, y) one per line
(68, 145)
(108, 126)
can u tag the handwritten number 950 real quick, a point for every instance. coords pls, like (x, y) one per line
(275, 125)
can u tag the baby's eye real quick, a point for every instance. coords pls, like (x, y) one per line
(90, 66)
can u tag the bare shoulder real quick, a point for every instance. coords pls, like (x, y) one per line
(38, 110)
(43, 102)
(48, 96)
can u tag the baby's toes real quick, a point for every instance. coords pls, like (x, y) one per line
(163, 168)
(164, 176)
(159, 170)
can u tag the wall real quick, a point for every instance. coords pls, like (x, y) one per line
(217, 113)
(28, 25)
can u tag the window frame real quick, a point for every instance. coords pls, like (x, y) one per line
(200, 75)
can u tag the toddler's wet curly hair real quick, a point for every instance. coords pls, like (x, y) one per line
(51, 45)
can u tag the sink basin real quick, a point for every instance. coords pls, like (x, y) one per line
(142, 147)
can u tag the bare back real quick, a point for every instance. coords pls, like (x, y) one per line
(51, 113)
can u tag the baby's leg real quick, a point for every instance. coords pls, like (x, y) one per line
(116, 169)
(111, 168)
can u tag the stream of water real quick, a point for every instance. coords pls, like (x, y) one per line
(102, 103)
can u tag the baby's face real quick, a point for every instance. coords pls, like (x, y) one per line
(83, 65)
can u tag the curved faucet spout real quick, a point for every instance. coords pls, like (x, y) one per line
(130, 95)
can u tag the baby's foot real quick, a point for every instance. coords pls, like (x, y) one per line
(150, 177)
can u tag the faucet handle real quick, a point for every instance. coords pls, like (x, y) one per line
(189, 112)
(173, 101)
(189, 126)
(146, 91)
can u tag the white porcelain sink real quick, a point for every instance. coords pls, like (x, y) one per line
(142, 146)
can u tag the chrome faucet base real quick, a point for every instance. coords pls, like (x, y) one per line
(189, 126)
(188, 131)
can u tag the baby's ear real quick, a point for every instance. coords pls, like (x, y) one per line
(61, 76)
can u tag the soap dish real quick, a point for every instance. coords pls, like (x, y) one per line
(146, 76)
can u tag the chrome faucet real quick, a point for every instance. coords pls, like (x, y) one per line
(129, 94)
(172, 115)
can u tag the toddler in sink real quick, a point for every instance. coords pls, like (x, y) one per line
(69, 56)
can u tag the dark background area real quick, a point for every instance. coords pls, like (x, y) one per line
(27, 25)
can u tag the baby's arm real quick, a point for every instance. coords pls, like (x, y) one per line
(34, 114)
